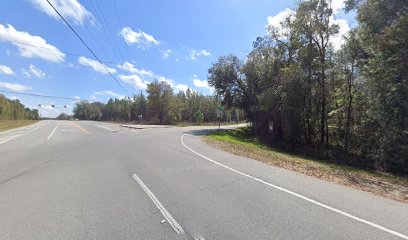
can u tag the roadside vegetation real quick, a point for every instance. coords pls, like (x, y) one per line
(160, 106)
(14, 110)
(347, 104)
(241, 142)
(8, 124)
(13, 114)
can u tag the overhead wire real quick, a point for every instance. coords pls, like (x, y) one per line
(86, 45)
(87, 29)
(107, 31)
(41, 95)
(121, 26)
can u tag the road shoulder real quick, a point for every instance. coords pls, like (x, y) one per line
(379, 184)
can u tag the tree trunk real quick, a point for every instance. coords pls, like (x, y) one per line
(348, 123)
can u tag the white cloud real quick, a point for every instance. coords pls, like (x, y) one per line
(338, 40)
(141, 39)
(30, 46)
(71, 10)
(166, 53)
(109, 94)
(134, 80)
(181, 87)
(166, 80)
(6, 70)
(33, 71)
(46, 110)
(95, 65)
(274, 22)
(337, 5)
(127, 66)
(202, 84)
(141, 77)
(14, 86)
(194, 54)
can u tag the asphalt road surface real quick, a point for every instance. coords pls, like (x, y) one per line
(92, 180)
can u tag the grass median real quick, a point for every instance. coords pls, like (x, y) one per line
(240, 142)
(9, 124)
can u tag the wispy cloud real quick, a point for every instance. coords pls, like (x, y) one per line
(33, 71)
(194, 54)
(166, 53)
(95, 65)
(181, 87)
(6, 70)
(135, 81)
(141, 77)
(14, 86)
(109, 93)
(202, 84)
(139, 38)
(71, 10)
(30, 46)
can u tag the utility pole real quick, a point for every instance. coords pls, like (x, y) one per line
(129, 111)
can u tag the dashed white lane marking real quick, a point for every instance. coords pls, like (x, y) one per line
(20, 134)
(173, 223)
(110, 129)
(53, 131)
(395, 233)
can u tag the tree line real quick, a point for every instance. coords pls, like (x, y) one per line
(349, 105)
(160, 106)
(14, 110)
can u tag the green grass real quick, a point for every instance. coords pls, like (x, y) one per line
(8, 124)
(237, 136)
(242, 136)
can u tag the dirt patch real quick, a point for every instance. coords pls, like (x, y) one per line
(381, 185)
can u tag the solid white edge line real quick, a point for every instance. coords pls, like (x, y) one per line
(49, 137)
(21, 134)
(400, 235)
(173, 223)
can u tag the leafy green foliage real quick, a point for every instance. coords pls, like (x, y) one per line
(348, 104)
(14, 110)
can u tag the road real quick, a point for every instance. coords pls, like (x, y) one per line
(92, 180)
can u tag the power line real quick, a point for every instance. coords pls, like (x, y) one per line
(124, 89)
(103, 61)
(107, 31)
(121, 27)
(87, 29)
(40, 95)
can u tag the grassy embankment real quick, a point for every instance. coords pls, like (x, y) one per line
(240, 142)
(8, 124)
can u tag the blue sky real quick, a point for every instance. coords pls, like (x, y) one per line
(138, 41)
